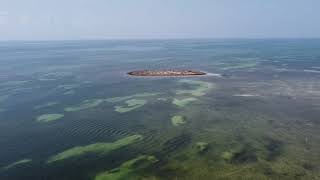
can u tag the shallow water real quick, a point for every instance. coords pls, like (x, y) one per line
(258, 120)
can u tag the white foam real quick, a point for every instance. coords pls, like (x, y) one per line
(214, 74)
(282, 69)
(311, 71)
(246, 95)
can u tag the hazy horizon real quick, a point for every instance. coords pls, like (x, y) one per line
(145, 19)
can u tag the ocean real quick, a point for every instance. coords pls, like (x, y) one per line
(69, 111)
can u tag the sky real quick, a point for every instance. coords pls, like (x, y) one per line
(158, 19)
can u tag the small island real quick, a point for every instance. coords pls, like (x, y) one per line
(166, 73)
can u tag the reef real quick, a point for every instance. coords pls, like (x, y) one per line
(49, 104)
(178, 120)
(201, 87)
(166, 73)
(132, 104)
(123, 98)
(129, 100)
(128, 168)
(244, 155)
(175, 144)
(71, 92)
(227, 156)
(189, 95)
(49, 117)
(96, 148)
(183, 102)
(17, 163)
(86, 104)
(202, 146)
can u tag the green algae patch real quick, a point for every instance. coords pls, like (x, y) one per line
(119, 99)
(202, 146)
(86, 104)
(97, 148)
(183, 102)
(17, 163)
(135, 102)
(128, 168)
(132, 104)
(227, 156)
(178, 120)
(49, 117)
(200, 87)
(49, 104)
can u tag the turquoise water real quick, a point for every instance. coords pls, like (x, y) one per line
(69, 111)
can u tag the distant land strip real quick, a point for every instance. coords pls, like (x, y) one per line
(166, 73)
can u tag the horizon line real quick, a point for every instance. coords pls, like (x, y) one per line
(176, 38)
